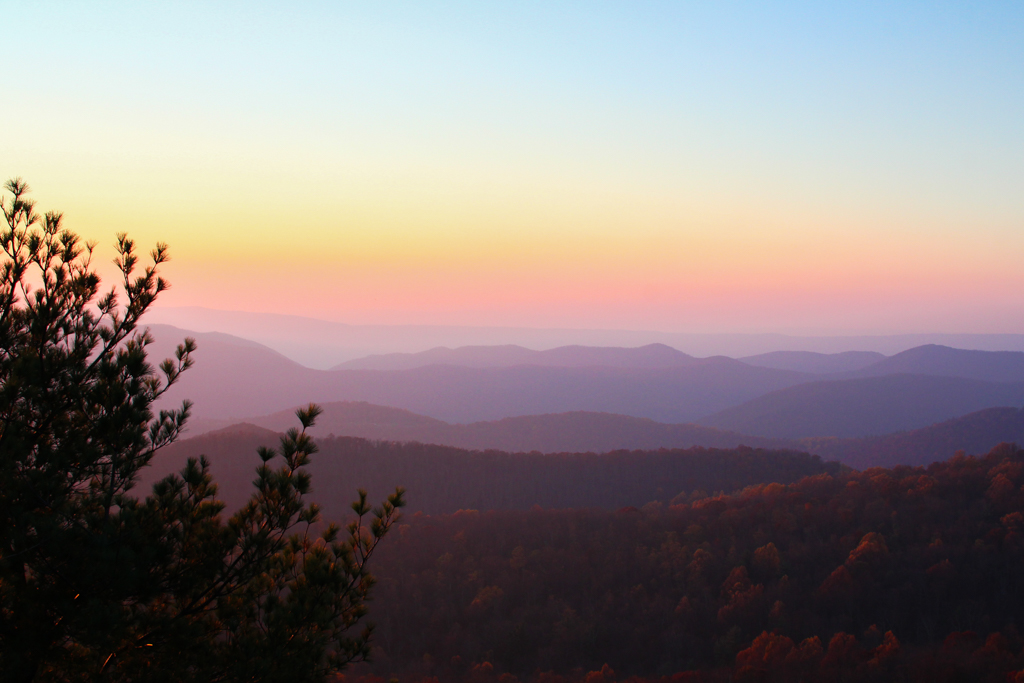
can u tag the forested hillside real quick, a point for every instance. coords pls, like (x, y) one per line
(581, 432)
(442, 479)
(572, 432)
(901, 574)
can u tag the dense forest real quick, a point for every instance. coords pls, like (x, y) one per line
(443, 479)
(887, 574)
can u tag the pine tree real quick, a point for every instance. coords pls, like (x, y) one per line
(98, 583)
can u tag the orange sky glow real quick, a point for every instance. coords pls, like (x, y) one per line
(667, 168)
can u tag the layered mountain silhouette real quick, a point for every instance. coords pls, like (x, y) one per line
(929, 359)
(943, 361)
(232, 377)
(864, 407)
(910, 390)
(324, 344)
(217, 349)
(442, 479)
(650, 356)
(815, 363)
(573, 432)
(975, 434)
(580, 432)
(235, 380)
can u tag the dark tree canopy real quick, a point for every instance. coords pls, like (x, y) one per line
(97, 583)
(902, 574)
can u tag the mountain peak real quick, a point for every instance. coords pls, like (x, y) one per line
(946, 361)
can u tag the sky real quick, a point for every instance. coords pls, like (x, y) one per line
(804, 168)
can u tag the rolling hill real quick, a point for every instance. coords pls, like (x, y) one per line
(324, 344)
(366, 421)
(815, 363)
(975, 434)
(447, 478)
(442, 479)
(572, 432)
(864, 407)
(581, 432)
(232, 379)
(217, 349)
(943, 361)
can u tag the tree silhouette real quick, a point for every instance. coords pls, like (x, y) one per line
(98, 584)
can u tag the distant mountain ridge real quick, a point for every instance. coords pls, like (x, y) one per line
(907, 391)
(944, 361)
(324, 344)
(510, 355)
(815, 363)
(167, 337)
(930, 359)
(233, 380)
(864, 406)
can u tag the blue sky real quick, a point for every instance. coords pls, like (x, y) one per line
(807, 167)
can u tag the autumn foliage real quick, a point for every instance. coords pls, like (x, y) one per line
(887, 574)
